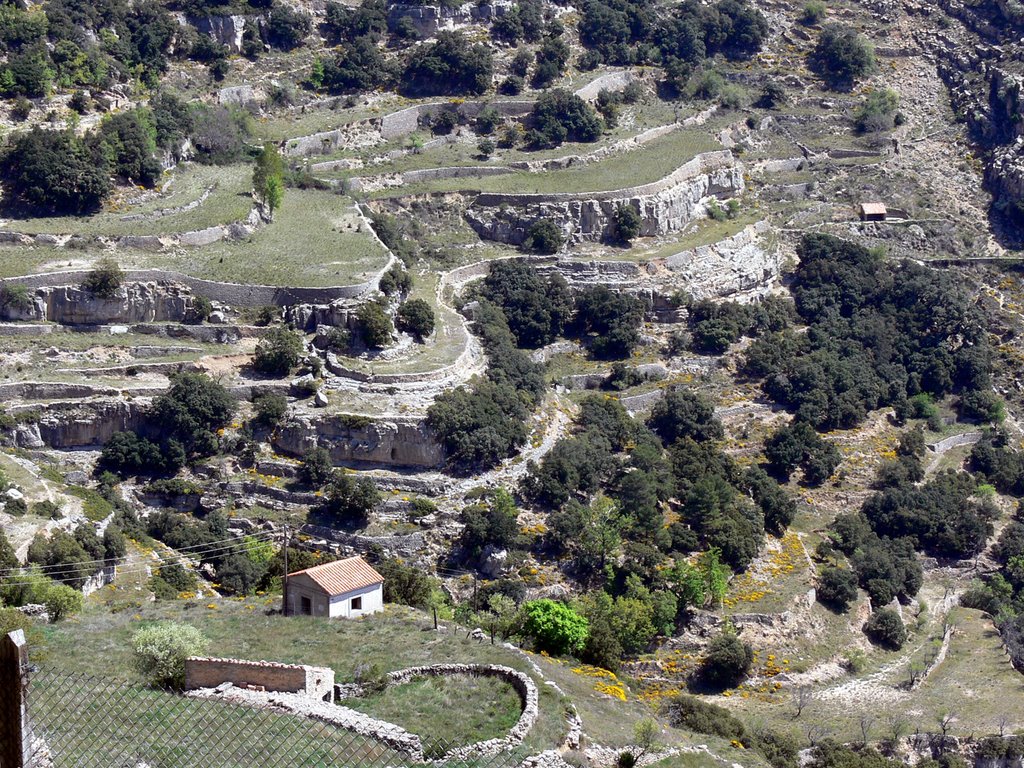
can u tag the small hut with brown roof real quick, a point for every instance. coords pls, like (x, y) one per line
(873, 212)
(342, 589)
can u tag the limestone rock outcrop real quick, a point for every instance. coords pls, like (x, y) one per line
(132, 303)
(361, 441)
(665, 206)
(87, 424)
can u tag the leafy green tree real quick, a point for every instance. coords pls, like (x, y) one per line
(555, 627)
(491, 523)
(837, 587)
(54, 172)
(160, 649)
(268, 177)
(104, 279)
(8, 558)
(349, 500)
(560, 116)
(287, 28)
(190, 413)
(885, 627)
(128, 141)
(543, 236)
(841, 56)
(798, 444)
(316, 468)
(374, 325)
(406, 584)
(451, 65)
(417, 317)
(537, 309)
(611, 320)
(626, 223)
(684, 413)
(62, 601)
(270, 408)
(279, 350)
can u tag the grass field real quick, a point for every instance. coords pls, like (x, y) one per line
(229, 201)
(489, 707)
(658, 159)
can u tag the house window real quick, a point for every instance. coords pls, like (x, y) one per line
(307, 606)
(357, 603)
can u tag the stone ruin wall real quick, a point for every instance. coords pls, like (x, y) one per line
(665, 206)
(316, 682)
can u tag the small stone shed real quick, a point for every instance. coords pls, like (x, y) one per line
(342, 589)
(873, 212)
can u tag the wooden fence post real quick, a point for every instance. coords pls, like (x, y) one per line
(15, 734)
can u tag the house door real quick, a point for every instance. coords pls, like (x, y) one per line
(306, 606)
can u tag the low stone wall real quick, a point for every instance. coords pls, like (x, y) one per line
(316, 682)
(395, 737)
(234, 294)
(665, 206)
(238, 230)
(955, 441)
(519, 681)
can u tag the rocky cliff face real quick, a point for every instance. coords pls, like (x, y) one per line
(361, 441)
(664, 207)
(79, 424)
(132, 303)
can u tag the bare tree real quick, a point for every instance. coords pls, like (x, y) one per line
(815, 733)
(867, 722)
(946, 721)
(802, 695)
(897, 727)
(916, 671)
(1004, 724)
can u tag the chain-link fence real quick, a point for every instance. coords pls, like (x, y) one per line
(80, 721)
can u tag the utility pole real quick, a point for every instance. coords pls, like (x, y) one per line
(284, 586)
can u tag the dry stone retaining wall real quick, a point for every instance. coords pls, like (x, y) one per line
(238, 230)
(665, 206)
(234, 294)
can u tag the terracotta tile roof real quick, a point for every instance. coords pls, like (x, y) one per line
(872, 209)
(342, 575)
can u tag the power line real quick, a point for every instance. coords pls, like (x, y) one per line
(188, 551)
(125, 571)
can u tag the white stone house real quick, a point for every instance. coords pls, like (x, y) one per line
(342, 589)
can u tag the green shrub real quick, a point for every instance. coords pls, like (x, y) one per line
(543, 236)
(727, 661)
(626, 223)
(837, 587)
(554, 627)
(47, 509)
(841, 56)
(374, 325)
(813, 12)
(278, 352)
(877, 112)
(160, 650)
(270, 408)
(104, 279)
(316, 468)
(885, 627)
(692, 714)
(62, 601)
(417, 317)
